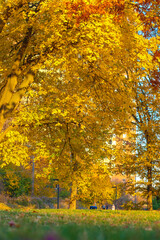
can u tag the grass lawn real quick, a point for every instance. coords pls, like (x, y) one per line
(79, 225)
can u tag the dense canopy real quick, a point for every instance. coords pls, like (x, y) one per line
(79, 73)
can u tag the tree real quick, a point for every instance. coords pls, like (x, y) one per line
(148, 129)
(96, 186)
(28, 42)
(16, 181)
(69, 127)
(39, 34)
(101, 43)
(140, 150)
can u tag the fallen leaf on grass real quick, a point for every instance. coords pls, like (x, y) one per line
(157, 222)
(84, 214)
(52, 236)
(113, 225)
(13, 224)
(148, 228)
(126, 226)
(21, 215)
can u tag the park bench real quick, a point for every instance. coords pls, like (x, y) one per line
(93, 207)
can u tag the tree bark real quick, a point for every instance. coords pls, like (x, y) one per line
(10, 94)
(10, 98)
(74, 167)
(149, 189)
(149, 174)
(73, 201)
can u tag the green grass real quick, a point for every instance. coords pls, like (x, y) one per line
(79, 225)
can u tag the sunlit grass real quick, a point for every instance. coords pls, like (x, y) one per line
(79, 225)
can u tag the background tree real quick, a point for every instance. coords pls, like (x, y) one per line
(67, 130)
(16, 181)
(96, 187)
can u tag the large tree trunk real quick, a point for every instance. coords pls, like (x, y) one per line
(12, 91)
(9, 98)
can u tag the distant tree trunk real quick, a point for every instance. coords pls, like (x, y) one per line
(73, 200)
(74, 169)
(149, 189)
(149, 176)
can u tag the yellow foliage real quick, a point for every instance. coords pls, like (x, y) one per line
(3, 207)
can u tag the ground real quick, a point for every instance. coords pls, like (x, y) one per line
(79, 225)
